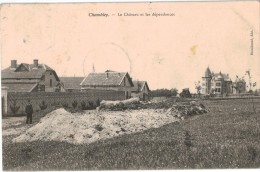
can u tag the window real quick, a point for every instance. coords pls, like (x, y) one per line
(43, 78)
(203, 84)
(50, 73)
(218, 84)
(50, 82)
(218, 90)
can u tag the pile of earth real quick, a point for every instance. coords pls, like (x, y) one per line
(133, 104)
(111, 119)
(91, 126)
(186, 109)
(177, 109)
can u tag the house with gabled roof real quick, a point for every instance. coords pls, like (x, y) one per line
(141, 90)
(71, 84)
(30, 78)
(109, 80)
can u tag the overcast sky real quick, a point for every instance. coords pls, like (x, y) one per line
(166, 51)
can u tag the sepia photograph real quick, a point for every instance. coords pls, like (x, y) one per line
(130, 85)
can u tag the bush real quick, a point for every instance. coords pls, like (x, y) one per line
(74, 104)
(91, 104)
(83, 105)
(65, 105)
(206, 97)
(98, 102)
(14, 108)
(43, 105)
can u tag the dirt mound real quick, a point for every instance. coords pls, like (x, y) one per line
(91, 126)
(119, 105)
(177, 109)
(183, 110)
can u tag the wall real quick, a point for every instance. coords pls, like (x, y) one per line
(4, 100)
(58, 98)
(126, 86)
(143, 95)
(126, 90)
(49, 75)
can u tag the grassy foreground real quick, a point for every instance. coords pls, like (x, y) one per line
(227, 137)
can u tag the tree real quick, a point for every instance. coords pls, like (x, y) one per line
(250, 84)
(250, 87)
(198, 87)
(164, 92)
(239, 85)
(174, 92)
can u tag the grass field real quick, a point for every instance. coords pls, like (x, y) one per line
(226, 137)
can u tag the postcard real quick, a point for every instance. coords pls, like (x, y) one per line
(130, 85)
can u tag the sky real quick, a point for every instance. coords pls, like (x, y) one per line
(166, 51)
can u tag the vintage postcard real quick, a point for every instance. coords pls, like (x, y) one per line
(130, 85)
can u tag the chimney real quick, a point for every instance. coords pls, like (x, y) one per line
(13, 64)
(35, 63)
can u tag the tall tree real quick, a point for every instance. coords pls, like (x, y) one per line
(198, 87)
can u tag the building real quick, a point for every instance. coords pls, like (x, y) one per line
(216, 83)
(185, 93)
(141, 90)
(109, 80)
(30, 78)
(71, 84)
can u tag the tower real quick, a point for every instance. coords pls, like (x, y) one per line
(206, 81)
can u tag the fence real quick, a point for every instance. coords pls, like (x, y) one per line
(16, 102)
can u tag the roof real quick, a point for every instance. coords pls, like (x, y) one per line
(22, 81)
(71, 82)
(207, 72)
(141, 85)
(20, 87)
(222, 76)
(111, 79)
(29, 73)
